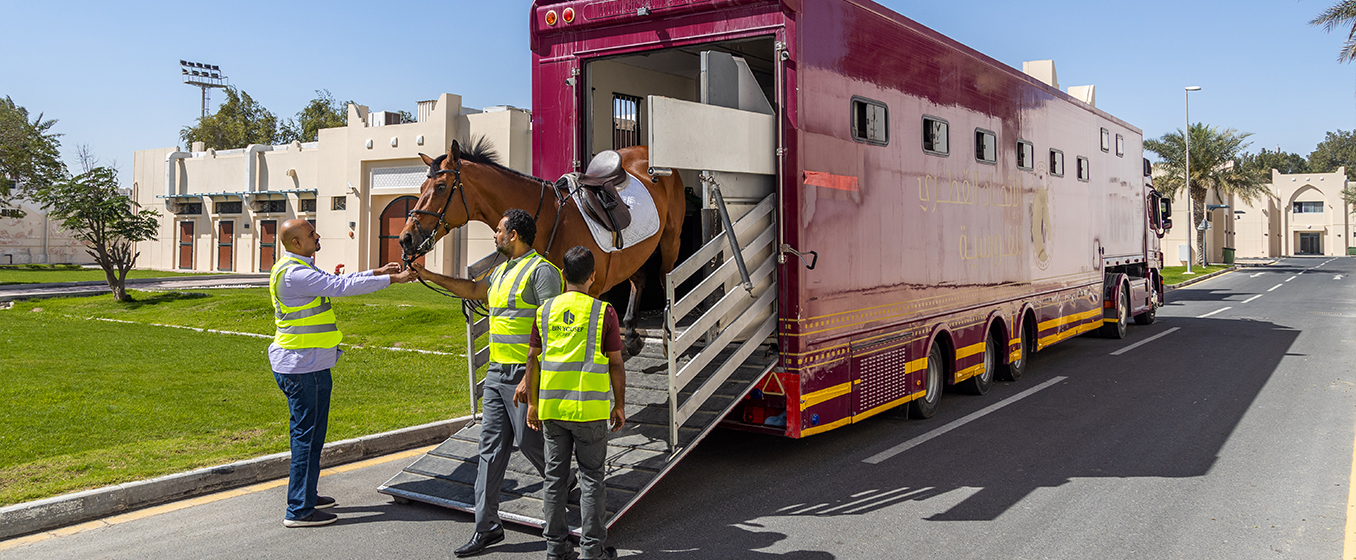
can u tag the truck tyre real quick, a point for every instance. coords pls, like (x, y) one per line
(1116, 330)
(1148, 317)
(1013, 371)
(983, 381)
(926, 406)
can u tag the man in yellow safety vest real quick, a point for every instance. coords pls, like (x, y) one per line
(305, 347)
(579, 385)
(513, 290)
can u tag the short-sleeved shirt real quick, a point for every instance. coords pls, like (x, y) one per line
(545, 280)
(612, 341)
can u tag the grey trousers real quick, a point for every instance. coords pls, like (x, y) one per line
(503, 428)
(587, 441)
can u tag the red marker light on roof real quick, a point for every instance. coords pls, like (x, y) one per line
(568, 15)
(551, 17)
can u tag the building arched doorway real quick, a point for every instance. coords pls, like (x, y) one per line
(392, 221)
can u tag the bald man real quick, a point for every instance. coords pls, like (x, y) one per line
(305, 347)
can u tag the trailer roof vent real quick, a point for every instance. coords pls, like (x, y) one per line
(1043, 70)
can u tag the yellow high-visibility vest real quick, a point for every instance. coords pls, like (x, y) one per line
(575, 385)
(510, 315)
(310, 326)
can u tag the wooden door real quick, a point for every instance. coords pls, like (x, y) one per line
(225, 246)
(392, 221)
(186, 245)
(268, 244)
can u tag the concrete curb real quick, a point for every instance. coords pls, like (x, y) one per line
(39, 286)
(1189, 282)
(44, 515)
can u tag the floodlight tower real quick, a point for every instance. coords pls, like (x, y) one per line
(205, 76)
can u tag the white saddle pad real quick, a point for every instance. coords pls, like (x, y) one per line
(644, 216)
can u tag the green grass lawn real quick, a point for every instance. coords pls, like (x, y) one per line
(91, 403)
(42, 273)
(1176, 274)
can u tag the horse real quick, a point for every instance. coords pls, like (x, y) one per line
(488, 189)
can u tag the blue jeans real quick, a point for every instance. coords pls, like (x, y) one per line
(308, 400)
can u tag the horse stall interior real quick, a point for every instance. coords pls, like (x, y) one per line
(734, 74)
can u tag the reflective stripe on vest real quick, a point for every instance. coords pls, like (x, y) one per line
(510, 315)
(310, 326)
(575, 383)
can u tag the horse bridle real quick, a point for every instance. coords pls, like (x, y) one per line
(426, 245)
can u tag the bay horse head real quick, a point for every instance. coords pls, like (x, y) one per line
(437, 212)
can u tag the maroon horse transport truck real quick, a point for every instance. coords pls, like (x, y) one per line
(879, 212)
(939, 215)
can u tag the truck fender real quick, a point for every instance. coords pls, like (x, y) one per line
(940, 332)
(998, 317)
(1112, 287)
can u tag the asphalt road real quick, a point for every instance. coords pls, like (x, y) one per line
(1227, 436)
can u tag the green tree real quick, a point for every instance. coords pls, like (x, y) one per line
(30, 156)
(110, 224)
(1338, 149)
(322, 112)
(1340, 15)
(1214, 153)
(239, 122)
(1264, 161)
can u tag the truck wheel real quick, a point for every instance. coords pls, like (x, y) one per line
(983, 381)
(1013, 371)
(1117, 330)
(1148, 317)
(926, 406)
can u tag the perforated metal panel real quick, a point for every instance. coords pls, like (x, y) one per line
(397, 177)
(880, 375)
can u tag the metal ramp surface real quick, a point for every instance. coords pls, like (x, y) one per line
(715, 348)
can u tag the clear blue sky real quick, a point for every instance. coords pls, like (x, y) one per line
(109, 72)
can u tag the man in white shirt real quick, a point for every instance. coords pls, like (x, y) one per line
(305, 347)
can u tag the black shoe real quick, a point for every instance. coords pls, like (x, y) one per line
(315, 519)
(609, 553)
(323, 502)
(479, 542)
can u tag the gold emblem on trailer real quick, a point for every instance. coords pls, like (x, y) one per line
(1041, 228)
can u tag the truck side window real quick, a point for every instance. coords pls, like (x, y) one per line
(1120, 146)
(986, 146)
(870, 121)
(1056, 162)
(1084, 171)
(936, 136)
(1106, 140)
(1026, 155)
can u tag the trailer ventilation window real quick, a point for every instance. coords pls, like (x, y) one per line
(625, 121)
(1026, 155)
(936, 136)
(870, 122)
(1084, 172)
(986, 146)
(1106, 140)
(1120, 146)
(1056, 163)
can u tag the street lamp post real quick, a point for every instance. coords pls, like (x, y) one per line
(1191, 203)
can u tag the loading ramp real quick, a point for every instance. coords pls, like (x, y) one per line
(715, 347)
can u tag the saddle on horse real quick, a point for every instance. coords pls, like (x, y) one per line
(598, 186)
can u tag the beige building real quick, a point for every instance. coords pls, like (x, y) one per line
(356, 183)
(1305, 215)
(35, 239)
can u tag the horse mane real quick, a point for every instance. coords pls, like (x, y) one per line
(481, 150)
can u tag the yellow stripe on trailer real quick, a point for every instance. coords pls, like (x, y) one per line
(970, 350)
(887, 406)
(826, 427)
(810, 399)
(969, 372)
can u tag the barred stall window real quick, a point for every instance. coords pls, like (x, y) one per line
(306, 205)
(625, 121)
(228, 207)
(338, 203)
(273, 206)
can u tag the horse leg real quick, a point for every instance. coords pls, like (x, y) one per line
(630, 338)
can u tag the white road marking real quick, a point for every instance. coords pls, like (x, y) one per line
(1274, 287)
(896, 450)
(1256, 275)
(1222, 309)
(1252, 298)
(1293, 277)
(1145, 341)
(1338, 277)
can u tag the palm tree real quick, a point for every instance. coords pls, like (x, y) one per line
(1340, 14)
(1213, 156)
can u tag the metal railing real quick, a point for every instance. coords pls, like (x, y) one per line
(477, 325)
(743, 314)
